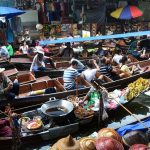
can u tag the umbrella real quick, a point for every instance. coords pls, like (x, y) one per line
(9, 12)
(127, 12)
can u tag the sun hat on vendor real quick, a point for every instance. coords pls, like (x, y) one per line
(2, 70)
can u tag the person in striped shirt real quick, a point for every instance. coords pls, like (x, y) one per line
(71, 76)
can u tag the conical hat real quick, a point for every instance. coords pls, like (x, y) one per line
(108, 132)
(67, 143)
(87, 143)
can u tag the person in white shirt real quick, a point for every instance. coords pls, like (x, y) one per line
(39, 61)
(117, 57)
(24, 48)
(91, 73)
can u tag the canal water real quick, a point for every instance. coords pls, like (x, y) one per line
(140, 106)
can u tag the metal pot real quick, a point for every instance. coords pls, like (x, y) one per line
(57, 108)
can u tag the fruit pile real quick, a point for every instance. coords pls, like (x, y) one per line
(136, 88)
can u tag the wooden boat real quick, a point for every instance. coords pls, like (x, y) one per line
(11, 72)
(26, 96)
(24, 78)
(146, 74)
(63, 128)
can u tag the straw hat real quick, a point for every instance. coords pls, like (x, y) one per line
(2, 69)
(87, 143)
(67, 143)
(108, 132)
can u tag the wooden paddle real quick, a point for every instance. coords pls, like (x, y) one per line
(127, 110)
(132, 114)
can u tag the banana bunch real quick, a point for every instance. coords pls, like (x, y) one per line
(136, 88)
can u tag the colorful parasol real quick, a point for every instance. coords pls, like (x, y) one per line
(127, 12)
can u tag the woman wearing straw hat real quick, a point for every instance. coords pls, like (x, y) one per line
(8, 90)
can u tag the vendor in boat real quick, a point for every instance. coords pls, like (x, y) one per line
(71, 76)
(92, 71)
(5, 129)
(8, 90)
(66, 52)
(39, 60)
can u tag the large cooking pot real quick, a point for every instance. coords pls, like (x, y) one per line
(57, 108)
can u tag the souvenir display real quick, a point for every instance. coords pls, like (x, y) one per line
(108, 132)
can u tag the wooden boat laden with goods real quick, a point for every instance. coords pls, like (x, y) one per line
(41, 91)
(144, 72)
(57, 118)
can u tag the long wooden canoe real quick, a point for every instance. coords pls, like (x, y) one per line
(11, 72)
(26, 98)
(49, 133)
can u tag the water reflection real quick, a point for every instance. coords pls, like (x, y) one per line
(139, 106)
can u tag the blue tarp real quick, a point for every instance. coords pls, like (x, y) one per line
(124, 35)
(10, 12)
(133, 127)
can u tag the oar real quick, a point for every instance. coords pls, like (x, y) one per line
(132, 114)
(127, 110)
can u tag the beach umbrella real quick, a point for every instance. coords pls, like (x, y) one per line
(127, 12)
(9, 12)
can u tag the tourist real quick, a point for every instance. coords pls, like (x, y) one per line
(10, 49)
(125, 69)
(117, 57)
(91, 72)
(80, 66)
(4, 52)
(24, 48)
(106, 68)
(8, 90)
(71, 77)
(66, 52)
